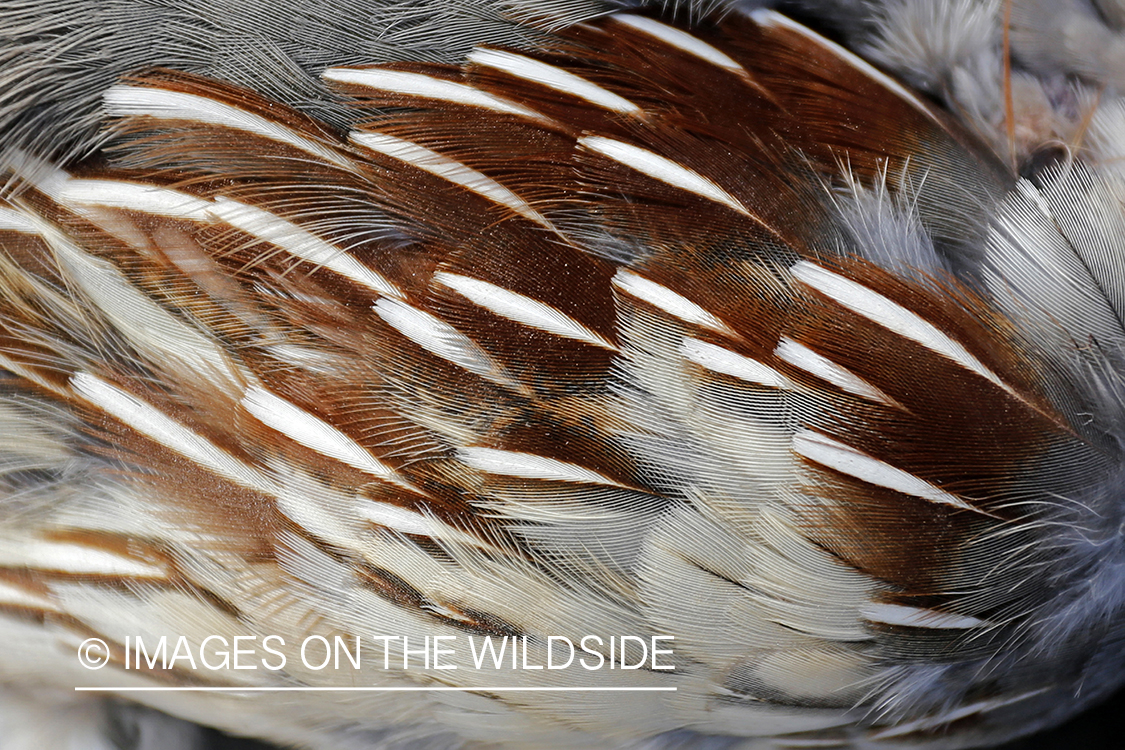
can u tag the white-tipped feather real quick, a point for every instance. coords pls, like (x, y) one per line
(71, 558)
(12, 595)
(916, 617)
(681, 40)
(756, 514)
(772, 18)
(134, 197)
(891, 315)
(14, 221)
(406, 521)
(150, 422)
(439, 338)
(163, 339)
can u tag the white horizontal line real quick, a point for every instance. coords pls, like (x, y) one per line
(368, 689)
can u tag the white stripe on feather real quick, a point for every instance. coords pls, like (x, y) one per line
(662, 169)
(300, 244)
(891, 315)
(134, 197)
(553, 78)
(806, 359)
(306, 357)
(412, 522)
(520, 309)
(772, 19)
(847, 460)
(144, 101)
(397, 518)
(14, 221)
(312, 432)
(448, 169)
(530, 466)
(682, 41)
(17, 596)
(45, 176)
(670, 302)
(917, 617)
(149, 421)
(440, 339)
(75, 559)
(427, 87)
(718, 359)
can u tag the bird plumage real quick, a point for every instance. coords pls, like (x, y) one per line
(713, 332)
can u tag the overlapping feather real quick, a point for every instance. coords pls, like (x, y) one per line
(726, 336)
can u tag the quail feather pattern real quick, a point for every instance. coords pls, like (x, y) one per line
(524, 320)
